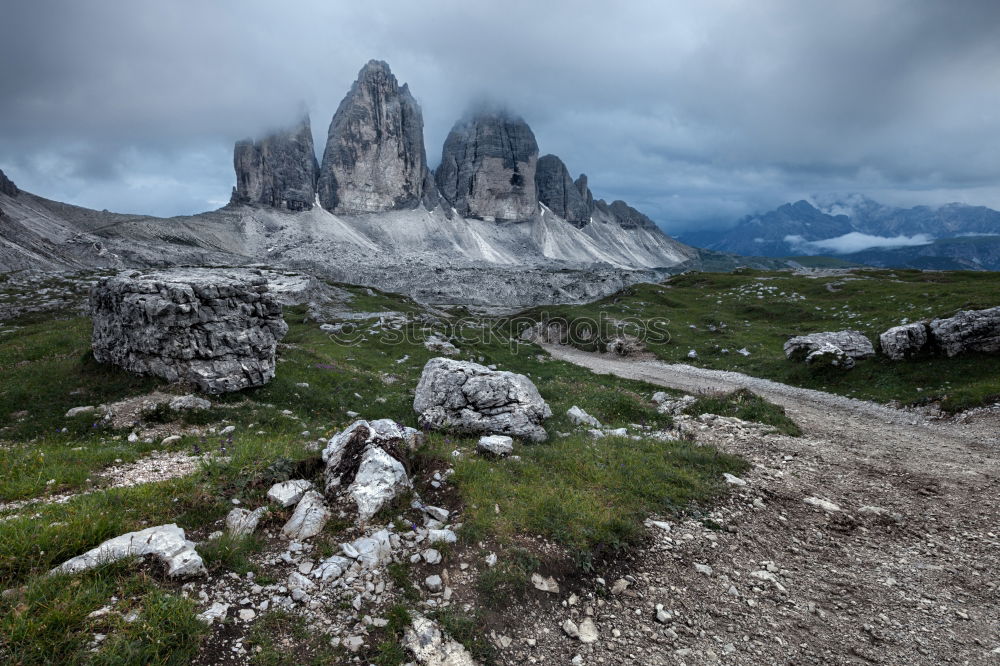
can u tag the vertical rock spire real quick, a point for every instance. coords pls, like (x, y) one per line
(488, 167)
(559, 193)
(375, 158)
(279, 171)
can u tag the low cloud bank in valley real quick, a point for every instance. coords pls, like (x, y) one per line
(856, 242)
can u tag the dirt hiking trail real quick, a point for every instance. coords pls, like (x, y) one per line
(871, 539)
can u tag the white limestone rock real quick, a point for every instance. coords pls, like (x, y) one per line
(216, 328)
(288, 493)
(365, 463)
(905, 341)
(580, 417)
(241, 522)
(852, 344)
(166, 543)
(470, 398)
(431, 647)
(968, 331)
(495, 445)
(310, 516)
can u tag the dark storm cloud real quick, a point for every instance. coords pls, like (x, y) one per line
(696, 113)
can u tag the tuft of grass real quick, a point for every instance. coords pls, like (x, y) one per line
(386, 646)
(469, 630)
(399, 574)
(284, 639)
(748, 406)
(509, 580)
(231, 553)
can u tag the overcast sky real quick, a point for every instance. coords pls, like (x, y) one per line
(695, 112)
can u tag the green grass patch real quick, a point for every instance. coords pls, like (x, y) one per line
(284, 639)
(47, 622)
(588, 495)
(748, 406)
(717, 314)
(509, 580)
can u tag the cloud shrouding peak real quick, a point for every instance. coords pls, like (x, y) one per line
(695, 113)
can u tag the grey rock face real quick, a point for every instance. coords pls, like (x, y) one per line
(7, 186)
(852, 343)
(968, 331)
(584, 190)
(904, 341)
(559, 193)
(375, 159)
(830, 355)
(470, 398)
(214, 328)
(626, 216)
(278, 171)
(488, 167)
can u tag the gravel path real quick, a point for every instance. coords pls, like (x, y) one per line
(872, 539)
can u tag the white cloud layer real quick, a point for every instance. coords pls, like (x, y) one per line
(855, 242)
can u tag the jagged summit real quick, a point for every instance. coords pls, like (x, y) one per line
(559, 193)
(626, 216)
(375, 161)
(375, 158)
(488, 166)
(278, 171)
(7, 186)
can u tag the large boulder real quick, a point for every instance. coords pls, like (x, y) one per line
(375, 158)
(214, 328)
(905, 341)
(488, 166)
(367, 462)
(470, 398)
(279, 171)
(851, 344)
(967, 331)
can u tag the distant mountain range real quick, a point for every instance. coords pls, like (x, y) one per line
(859, 230)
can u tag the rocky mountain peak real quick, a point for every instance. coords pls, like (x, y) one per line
(488, 166)
(559, 193)
(279, 170)
(7, 186)
(375, 158)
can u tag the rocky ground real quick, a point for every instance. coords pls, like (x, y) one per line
(870, 539)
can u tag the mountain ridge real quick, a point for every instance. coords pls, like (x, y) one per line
(857, 227)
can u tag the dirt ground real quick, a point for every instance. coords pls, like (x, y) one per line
(892, 560)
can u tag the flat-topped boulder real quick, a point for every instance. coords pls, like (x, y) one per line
(215, 328)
